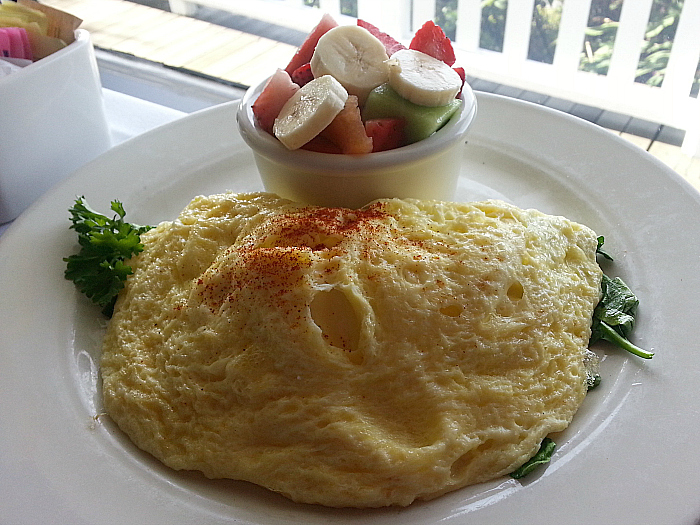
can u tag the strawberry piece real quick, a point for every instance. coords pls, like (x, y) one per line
(386, 133)
(390, 44)
(275, 94)
(306, 50)
(431, 40)
(347, 130)
(463, 75)
(302, 75)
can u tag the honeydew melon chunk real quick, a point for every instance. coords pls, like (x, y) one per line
(421, 121)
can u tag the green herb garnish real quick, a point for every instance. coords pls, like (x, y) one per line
(600, 251)
(614, 317)
(592, 381)
(543, 455)
(98, 270)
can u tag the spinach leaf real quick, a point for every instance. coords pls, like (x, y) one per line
(600, 251)
(543, 455)
(614, 316)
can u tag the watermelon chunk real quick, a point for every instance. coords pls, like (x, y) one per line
(277, 91)
(306, 50)
(347, 130)
(390, 44)
(386, 133)
(431, 40)
(302, 75)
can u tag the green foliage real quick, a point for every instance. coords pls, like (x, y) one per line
(493, 21)
(493, 24)
(614, 317)
(542, 457)
(446, 17)
(99, 269)
(544, 30)
(603, 23)
(348, 7)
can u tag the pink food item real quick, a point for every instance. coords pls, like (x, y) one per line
(4, 44)
(386, 133)
(462, 74)
(390, 43)
(431, 40)
(16, 43)
(26, 44)
(306, 50)
(302, 75)
(274, 95)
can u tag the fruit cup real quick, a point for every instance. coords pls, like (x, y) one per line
(428, 169)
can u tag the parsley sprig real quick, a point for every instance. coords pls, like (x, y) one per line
(99, 269)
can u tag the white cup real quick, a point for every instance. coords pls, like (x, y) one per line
(52, 121)
(428, 169)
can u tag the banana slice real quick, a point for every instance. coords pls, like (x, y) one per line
(422, 79)
(355, 57)
(309, 111)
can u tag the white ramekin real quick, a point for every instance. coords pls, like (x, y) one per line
(428, 169)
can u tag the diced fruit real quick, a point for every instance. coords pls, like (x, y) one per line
(386, 133)
(422, 79)
(421, 121)
(390, 44)
(354, 57)
(306, 50)
(309, 111)
(431, 40)
(342, 93)
(463, 75)
(302, 75)
(278, 90)
(347, 130)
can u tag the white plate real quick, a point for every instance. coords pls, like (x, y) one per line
(632, 454)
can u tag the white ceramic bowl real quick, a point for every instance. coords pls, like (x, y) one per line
(52, 121)
(428, 169)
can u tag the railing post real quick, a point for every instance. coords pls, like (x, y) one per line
(423, 10)
(572, 30)
(634, 18)
(680, 73)
(181, 7)
(391, 16)
(516, 38)
(468, 24)
(332, 7)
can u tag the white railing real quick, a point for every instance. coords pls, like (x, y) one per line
(670, 104)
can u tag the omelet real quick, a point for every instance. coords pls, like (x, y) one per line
(352, 358)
